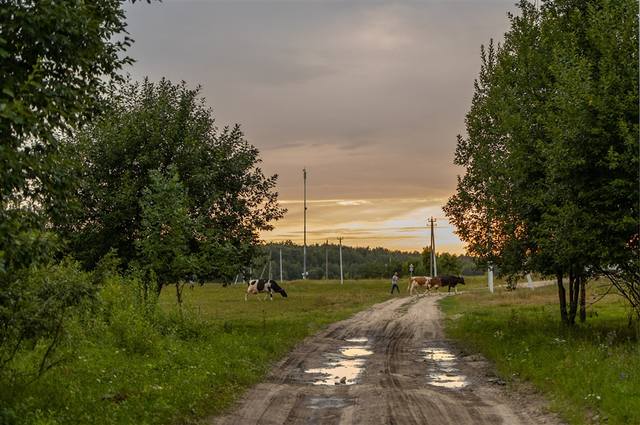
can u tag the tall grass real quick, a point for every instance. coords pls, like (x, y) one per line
(146, 362)
(589, 372)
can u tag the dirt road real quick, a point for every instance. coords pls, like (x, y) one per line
(389, 364)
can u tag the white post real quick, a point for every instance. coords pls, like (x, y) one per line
(280, 264)
(340, 246)
(529, 281)
(490, 277)
(435, 263)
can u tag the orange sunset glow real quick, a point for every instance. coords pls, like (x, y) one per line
(393, 223)
(368, 96)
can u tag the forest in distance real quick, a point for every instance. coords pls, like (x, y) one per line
(357, 262)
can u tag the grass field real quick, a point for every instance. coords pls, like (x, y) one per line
(222, 345)
(181, 367)
(590, 373)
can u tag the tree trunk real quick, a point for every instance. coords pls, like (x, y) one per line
(179, 288)
(562, 296)
(583, 300)
(574, 292)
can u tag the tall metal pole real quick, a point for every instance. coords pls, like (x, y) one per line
(270, 265)
(304, 249)
(433, 248)
(280, 264)
(340, 247)
(432, 244)
(326, 260)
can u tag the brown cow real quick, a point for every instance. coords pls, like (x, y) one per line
(424, 281)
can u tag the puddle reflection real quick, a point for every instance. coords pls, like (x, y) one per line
(447, 381)
(357, 340)
(343, 372)
(327, 403)
(344, 367)
(439, 354)
(355, 352)
(442, 370)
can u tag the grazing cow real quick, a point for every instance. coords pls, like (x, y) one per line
(269, 286)
(451, 282)
(425, 281)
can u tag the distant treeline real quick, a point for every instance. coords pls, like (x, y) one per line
(358, 262)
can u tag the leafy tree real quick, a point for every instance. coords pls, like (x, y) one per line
(52, 77)
(57, 60)
(592, 122)
(550, 152)
(165, 231)
(164, 129)
(448, 264)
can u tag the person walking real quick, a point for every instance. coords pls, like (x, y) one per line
(394, 283)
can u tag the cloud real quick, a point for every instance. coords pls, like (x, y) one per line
(394, 223)
(369, 96)
(354, 202)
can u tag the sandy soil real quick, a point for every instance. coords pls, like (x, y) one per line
(389, 364)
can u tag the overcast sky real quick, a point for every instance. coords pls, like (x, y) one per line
(368, 96)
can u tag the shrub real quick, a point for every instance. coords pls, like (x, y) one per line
(43, 303)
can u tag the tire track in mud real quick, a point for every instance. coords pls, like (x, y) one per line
(393, 386)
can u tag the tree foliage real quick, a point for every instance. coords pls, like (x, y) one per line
(158, 177)
(358, 262)
(551, 148)
(57, 60)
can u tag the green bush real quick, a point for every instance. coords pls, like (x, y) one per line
(44, 303)
(129, 318)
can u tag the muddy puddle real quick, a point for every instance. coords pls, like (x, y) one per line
(343, 367)
(361, 340)
(442, 369)
(328, 402)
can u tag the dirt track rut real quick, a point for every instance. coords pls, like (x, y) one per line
(389, 364)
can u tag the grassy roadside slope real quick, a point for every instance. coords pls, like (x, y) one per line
(222, 345)
(590, 373)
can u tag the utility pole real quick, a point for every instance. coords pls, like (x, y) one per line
(326, 260)
(340, 248)
(304, 249)
(280, 264)
(269, 265)
(434, 266)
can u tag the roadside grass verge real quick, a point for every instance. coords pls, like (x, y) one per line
(180, 366)
(590, 373)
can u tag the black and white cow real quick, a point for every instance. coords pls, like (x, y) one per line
(269, 286)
